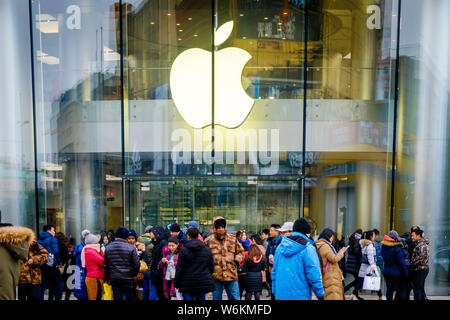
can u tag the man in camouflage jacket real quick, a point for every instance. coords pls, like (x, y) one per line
(30, 271)
(419, 264)
(227, 254)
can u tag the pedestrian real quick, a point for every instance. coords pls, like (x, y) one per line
(93, 259)
(379, 258)
(265, 236)
(296, 266)
(79, 284)
(149, 290)
(14, 246)
(368, 261)
(51, 274)
(256, 239)
(273, 242)
(419, 263)
(176, 232)
(286, 229)
(168, 265)
(242, 238)
(65, 255)
(395, 270)
(111, 236)
(30, 272)
(194, 224)
(159, 237)
(353, 262)
(329, 262)
(228, 254)
(121, 266)
(254, 265)
(195, 267)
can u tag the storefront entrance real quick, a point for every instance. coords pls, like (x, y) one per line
(247, 202)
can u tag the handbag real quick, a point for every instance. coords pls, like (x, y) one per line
(142, 268)
(108, 292)
(372, 281)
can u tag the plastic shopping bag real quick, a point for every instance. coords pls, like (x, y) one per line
(108, 292)
(372, 281)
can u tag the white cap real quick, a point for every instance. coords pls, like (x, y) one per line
(287, 226)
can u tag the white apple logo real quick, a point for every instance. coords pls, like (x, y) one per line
(190, 84)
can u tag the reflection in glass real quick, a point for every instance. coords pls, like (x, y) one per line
(77, 72)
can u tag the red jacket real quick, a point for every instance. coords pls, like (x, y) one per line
(94, 263)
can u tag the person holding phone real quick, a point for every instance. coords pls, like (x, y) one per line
(331, 272)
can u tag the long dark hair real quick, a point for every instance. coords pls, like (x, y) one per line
(368, 234)
(326, 234)
(257, 239)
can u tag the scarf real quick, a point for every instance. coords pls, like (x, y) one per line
(95, 246)
(245, 243)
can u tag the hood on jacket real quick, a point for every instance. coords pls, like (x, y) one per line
(388, 241)
(15, 235)
(293, 244)
(364, 242)
(16, 240)
(426, 240)
(194, 245)
(159, 233)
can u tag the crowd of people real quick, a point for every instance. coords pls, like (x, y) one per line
(175, 264)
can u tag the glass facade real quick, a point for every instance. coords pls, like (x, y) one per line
(146, 112)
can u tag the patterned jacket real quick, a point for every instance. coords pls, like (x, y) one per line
(227, 255)
(420, 255)
(31, 273)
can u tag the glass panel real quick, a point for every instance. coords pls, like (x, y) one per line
(350, 114)
(258, 109)
(423, 150)
(162, 87)
(17, 177)
(77, 72)
(249, 203)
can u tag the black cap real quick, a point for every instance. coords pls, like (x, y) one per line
(301, 225)
(122, 232)
(220, 223)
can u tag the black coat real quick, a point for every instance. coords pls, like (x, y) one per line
(253, 277)
(121, 261)
(156, 274)
(353, 262)
(195, 268)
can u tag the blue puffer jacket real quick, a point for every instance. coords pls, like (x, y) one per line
(50, 243)
(394, 260)
(296, 269)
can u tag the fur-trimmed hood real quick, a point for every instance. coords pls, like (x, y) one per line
(16, 235)
(364, 242)
(390, 242)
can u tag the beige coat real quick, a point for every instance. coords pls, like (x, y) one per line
(331, 273)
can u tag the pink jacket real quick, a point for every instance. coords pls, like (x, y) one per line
(168, 292)
(94, 263)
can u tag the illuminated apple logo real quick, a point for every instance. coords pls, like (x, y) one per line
(190, 84)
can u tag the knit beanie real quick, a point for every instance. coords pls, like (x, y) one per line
(132, 233)
(301, 225)
(393, 234)
(84, 233)
(122, 232)
(91, 239)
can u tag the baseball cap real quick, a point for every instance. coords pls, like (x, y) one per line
(287, 226)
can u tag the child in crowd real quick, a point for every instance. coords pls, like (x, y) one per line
(168, 264)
